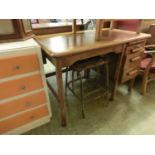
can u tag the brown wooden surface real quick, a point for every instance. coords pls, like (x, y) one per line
(49, 28)
(65, 49)
(67, 44)
(19, 32)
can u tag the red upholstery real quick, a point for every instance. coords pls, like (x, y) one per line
(145, 62)
(128, 24)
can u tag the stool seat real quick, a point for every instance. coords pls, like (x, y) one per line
(88, 64)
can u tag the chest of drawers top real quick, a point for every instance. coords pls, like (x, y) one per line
(13, 46)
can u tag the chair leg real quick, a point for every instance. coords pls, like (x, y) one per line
(144, 84)
(107, 81)
(81, 95)
(66, 80)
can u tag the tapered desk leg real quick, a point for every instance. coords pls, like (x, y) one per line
(61, 97)
(117, 74)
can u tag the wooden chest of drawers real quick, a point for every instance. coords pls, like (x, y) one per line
(24, 100)
(132, 58)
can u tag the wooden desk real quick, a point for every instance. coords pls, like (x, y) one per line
(65, 49)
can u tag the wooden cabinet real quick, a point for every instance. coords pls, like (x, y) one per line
(132, 58)
(15, 29)
(24, 100)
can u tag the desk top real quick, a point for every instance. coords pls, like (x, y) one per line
(59, 45)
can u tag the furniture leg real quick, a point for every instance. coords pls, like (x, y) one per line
(131, 83)
(87, 73)
(144, 84)
(73, 80)
(107, 80)
(117, 74)
(61, 94)
(81, 94)
(66, 81)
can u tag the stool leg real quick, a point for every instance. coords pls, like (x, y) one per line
(87, 73)
(107, 80)
(73, 80)
(66, 81)
(131, 84)
(81, 94)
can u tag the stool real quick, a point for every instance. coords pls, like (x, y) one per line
(86, 65)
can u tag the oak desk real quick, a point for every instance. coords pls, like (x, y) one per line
(65, 49)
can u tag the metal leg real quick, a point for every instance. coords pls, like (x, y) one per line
(107, 81)
(131, 84)
(72, 80)
(87, 73)
(81, 94)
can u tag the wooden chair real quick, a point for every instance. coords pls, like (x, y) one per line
(148, 67)
(86, 65)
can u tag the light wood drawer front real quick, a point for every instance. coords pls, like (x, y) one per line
(20, 86)
(135, 48)
(132, 60)
(130, 74)
(23, 119)
(18, 65)
(22, 104)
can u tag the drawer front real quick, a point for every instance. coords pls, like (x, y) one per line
(20, 86)
(130, 74)
(133, 60)
(23, 119)
(22, 104)
(18, 65)
(135, 48)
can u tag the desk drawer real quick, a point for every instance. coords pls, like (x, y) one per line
(24, 103)
(20, 86)
(133, 60)
(23, 119)
(130, 74)
(18, 65)
(135, 48)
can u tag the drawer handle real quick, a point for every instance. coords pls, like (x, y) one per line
(17, 67)
(133, 72)
(27, 104)
(32, 117)
(136, 50)
(23, 87)
(135, 59)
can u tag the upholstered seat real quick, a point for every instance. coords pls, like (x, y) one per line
(145, 62)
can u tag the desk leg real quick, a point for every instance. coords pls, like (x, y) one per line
(61, 97)
(117, 74)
